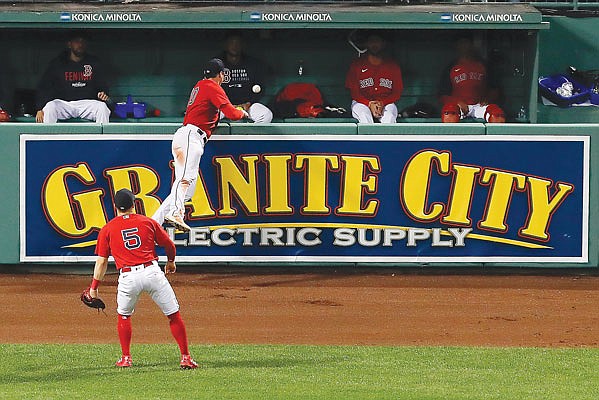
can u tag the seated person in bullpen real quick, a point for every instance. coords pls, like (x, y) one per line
(73, 86)
(464, 89)
(244, 80)
(375, 84)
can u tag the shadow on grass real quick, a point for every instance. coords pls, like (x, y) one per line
(40, 375)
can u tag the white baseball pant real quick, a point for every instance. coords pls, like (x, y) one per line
(187, 149)
(363, 114)
(145, 279)
(476, 111)
(259, 113)
(93, 110)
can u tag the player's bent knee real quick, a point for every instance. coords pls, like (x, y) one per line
(103, 113)
(494, 114)
(174, 316)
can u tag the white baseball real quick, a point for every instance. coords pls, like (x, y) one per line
(256, 88)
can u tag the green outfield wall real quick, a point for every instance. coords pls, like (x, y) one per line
(11, 174)
(155, 55)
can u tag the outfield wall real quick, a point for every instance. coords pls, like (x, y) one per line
(384, 191)
(522, 48)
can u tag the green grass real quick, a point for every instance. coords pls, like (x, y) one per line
(299, 372)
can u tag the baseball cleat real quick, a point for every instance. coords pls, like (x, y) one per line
(187, 362)
(177, 222)
(124, 362)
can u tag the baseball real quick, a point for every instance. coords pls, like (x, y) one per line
(256, 88)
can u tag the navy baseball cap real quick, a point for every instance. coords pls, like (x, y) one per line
(213, 67)
(124, 199)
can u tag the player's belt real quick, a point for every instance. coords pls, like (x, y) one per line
(200, 132)
(139, 267)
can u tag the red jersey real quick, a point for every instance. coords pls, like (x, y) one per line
(130, 240)
(368, 82)
(207, 98)
(468, 81)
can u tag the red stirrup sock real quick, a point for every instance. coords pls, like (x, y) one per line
(178, 330)
(124, 329)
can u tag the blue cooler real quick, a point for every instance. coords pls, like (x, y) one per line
(130, 108)
(549, 84)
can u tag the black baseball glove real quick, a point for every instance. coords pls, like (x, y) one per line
(93, 302)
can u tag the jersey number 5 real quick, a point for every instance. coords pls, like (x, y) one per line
(130, 238)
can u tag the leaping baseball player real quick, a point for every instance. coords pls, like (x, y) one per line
(206, 101)
(130, 238)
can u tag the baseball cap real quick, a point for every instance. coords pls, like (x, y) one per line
(124, 199)
(213, 67)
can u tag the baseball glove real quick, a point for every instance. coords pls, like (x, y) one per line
(92, 302)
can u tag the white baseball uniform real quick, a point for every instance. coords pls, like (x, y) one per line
(145, 279)
(187, 149)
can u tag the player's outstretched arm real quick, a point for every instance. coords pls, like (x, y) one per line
(99, 272)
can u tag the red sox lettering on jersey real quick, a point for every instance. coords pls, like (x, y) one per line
(369, 82)
(468, 81)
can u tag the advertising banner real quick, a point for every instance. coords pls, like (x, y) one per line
(359, 198)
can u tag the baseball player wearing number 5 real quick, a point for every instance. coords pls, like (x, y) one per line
(130, 238)
(206, 102)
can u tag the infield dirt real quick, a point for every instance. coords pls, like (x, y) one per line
(318, 306)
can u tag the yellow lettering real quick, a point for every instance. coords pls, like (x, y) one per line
(498, 202)
(416, 183)
(317, 167)
(78, 214)
(235, 182)
(200, 202)
(141, 180)
(461, 195)
(278, 184)
(541, 208)
(354, 186)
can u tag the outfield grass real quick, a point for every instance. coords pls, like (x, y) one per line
(299, 372)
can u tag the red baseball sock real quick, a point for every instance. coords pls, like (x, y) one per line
(124, 329)
(178, 330)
